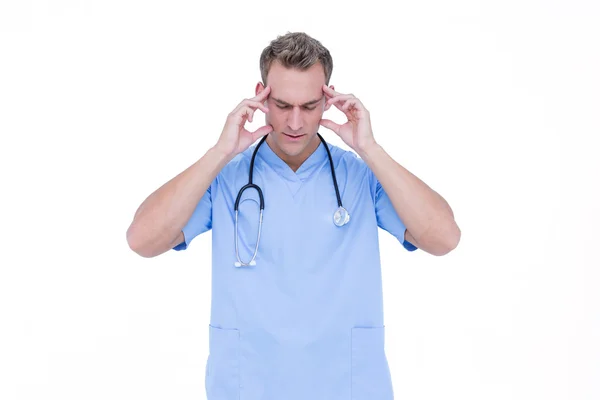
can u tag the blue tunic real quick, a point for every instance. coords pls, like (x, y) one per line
(306, 322)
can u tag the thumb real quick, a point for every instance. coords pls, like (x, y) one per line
(330, 125)
(262, 131)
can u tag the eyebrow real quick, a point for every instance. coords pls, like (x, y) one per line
(309, 103)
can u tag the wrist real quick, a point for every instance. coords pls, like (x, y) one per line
(221, 155)
(370, 151)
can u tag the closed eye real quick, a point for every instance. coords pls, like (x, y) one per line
(306, 108)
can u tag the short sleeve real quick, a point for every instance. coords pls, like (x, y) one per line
(199, 222)
(387, 217)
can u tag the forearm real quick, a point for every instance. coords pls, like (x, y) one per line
(161, 217)
(426, 214)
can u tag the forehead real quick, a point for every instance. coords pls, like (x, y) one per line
(295, 86)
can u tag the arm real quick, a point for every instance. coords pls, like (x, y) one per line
(428, 218)
(158, 222)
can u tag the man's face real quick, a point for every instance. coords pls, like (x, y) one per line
(296, 105)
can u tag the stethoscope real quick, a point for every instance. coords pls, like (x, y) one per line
(340, 217)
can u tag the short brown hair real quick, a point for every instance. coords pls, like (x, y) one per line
(295, 50)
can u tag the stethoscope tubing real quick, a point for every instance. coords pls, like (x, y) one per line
(251, 185)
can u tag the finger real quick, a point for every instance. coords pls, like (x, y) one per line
(240, 114)
(251, 103)
(339, 98)
(339, 106)
(262, 131)
(349, 103)
(250, 113)
(329, 91)
(330, 125)
(263, 95)
(257, 104)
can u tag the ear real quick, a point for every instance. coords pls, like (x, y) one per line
(259, 88)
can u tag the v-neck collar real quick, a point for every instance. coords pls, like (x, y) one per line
(307, 168)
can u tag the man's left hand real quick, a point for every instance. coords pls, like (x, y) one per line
(357, 132)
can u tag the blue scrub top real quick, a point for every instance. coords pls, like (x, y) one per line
(306, 322)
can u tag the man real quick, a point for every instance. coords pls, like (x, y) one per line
(297, 307)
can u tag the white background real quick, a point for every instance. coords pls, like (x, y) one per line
(494, 104)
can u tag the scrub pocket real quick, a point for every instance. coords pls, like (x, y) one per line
(371, 379)
(222, 378)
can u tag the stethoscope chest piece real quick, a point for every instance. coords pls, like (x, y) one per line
(341, 217)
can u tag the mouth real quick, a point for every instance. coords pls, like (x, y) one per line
(293, 136)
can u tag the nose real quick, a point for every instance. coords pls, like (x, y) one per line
(295, 120)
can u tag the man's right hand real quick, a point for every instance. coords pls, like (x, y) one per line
(235, 138)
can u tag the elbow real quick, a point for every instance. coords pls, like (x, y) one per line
(449, 242)
(455, 237)
(442, 243)
(136, 244)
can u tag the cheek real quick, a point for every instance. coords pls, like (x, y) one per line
(315, 117)
(275, 118)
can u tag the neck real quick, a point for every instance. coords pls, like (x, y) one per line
(294, 162)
